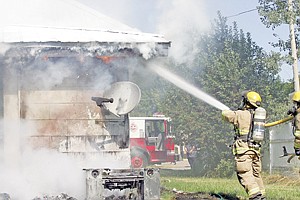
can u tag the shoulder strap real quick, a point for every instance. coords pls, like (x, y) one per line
(294, 125)
(250, 133)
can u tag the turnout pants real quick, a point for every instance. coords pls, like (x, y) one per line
(248, 169)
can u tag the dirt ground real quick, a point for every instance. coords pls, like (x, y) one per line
(202, 197)
(179, 165)
(179, 195)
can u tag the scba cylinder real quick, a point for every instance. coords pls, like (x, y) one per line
(259, 120)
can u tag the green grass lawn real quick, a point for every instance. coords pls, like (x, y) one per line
(278, 187)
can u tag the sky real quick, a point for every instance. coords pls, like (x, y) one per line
(162, 17)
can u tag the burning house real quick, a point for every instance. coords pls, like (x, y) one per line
(55, 56)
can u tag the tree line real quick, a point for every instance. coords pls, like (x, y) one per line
(227, 63)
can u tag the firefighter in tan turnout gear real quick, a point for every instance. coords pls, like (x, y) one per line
(295, 111)
(248, 121)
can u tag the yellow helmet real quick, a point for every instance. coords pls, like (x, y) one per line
(296, 96)
(254, 98)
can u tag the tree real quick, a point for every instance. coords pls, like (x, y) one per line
(231, 62)
(227, 62)
(277, 12)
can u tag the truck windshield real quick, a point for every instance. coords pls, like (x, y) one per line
(155, 127)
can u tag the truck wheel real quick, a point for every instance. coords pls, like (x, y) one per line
(138, 160)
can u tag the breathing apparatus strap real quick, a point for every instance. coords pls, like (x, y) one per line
(294, 112)
(294, 125)
(241, 107)
(250, 134)
(236, 130)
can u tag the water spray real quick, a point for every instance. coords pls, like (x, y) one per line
(179, 82)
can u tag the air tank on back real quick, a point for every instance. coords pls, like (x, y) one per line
(259, 119)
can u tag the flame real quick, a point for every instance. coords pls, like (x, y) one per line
(106, 59)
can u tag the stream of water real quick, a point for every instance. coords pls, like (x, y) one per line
(179, 82)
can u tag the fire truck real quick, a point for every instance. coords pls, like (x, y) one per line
(151, 141)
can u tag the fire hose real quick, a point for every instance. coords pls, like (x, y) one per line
(279, 121)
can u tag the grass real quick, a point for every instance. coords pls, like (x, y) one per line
(278, 187)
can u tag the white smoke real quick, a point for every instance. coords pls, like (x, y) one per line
(46, 172)
(48, 75)
(26, 173)
(51, 75)
(182, 22)
(147, 50)
(4, 48)
(42, 172)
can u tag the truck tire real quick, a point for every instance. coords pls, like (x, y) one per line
(138, 160)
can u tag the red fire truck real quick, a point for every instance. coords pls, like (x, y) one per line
(151, 141)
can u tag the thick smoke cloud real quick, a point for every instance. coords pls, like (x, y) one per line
(28, 173)
(65, 72)
(3, 49)
(44, 171)
(180, 21)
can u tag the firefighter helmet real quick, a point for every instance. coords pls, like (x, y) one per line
(254, 98)
(296, 96)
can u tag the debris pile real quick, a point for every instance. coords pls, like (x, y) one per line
(62, 196)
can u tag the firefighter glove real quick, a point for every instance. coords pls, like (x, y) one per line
(292, 111)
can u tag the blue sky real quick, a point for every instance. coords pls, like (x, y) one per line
(145, 15)
(176, 15)
(250, 22)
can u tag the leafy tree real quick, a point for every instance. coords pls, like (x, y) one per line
(231, 62)
(227, 63)
(275, 13)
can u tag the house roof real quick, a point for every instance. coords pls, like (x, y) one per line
(64, 21)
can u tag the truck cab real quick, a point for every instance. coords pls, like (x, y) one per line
(151, 140)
